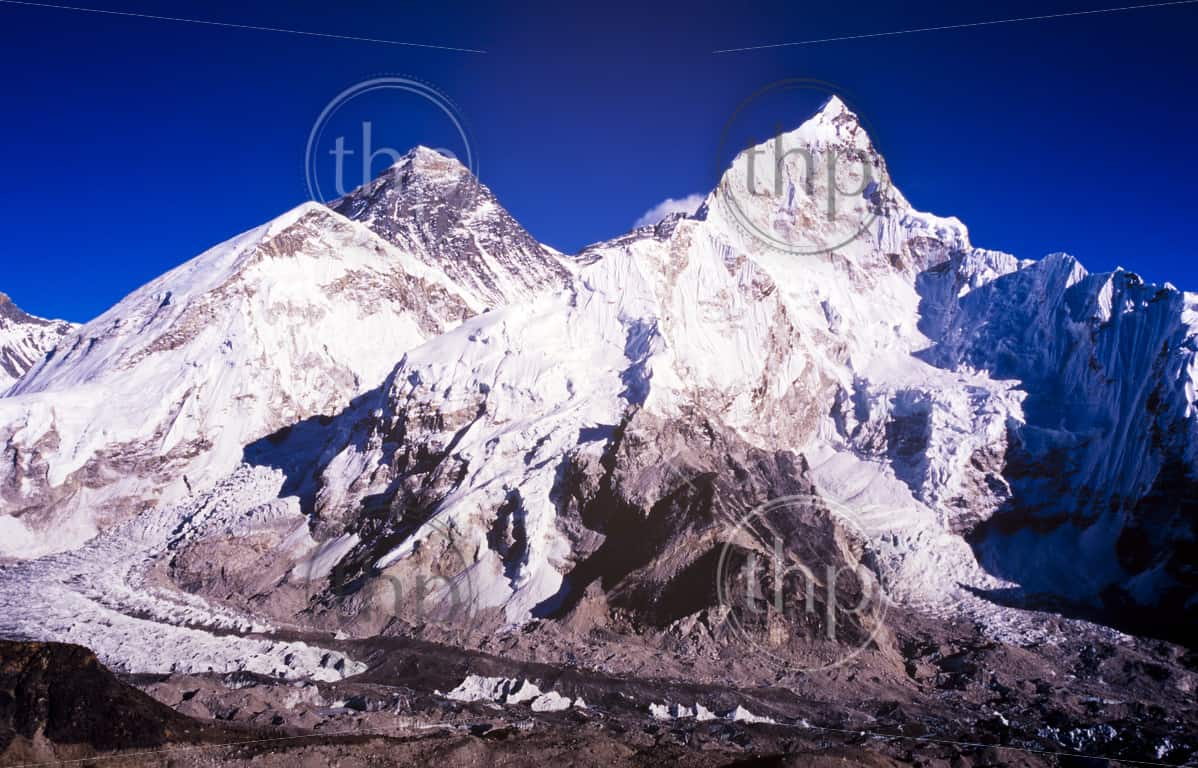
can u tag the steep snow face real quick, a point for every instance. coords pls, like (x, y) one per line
(480, 418)
(1109, 434)
(158, 396)
(24, 339)
(1107, 362)
(431, 206)
(809, 192)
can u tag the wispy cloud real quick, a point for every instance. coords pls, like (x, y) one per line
(687, 205)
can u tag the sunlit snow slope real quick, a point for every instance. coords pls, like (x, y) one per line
(157, 397)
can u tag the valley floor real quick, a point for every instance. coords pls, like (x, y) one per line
(937, 693)
(420, 703)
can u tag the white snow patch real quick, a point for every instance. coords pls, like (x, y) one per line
(321, 562)
(551, 702)
(701, 713)
(501, 690)
(507, 690)
(742, 715)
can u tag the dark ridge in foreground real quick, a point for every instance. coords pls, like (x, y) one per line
(58, 702)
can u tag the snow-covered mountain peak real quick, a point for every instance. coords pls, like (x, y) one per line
(11, 314)
(834, 110)
(24, 339)
(428, 204)
(182, 303)
(421, 169)
(429, 160)
(290, 217)
(832, 123)
(820, 188)
(8, 310)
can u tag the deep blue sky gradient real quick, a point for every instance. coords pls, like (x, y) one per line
(130, 145)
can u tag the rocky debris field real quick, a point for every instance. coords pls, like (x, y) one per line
(971, 703)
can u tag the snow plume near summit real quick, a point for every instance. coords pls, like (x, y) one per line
(686, 205)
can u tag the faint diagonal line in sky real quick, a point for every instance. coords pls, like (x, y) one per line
(231, 25)
(966, 25)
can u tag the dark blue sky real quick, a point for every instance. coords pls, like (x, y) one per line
(130, 145)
